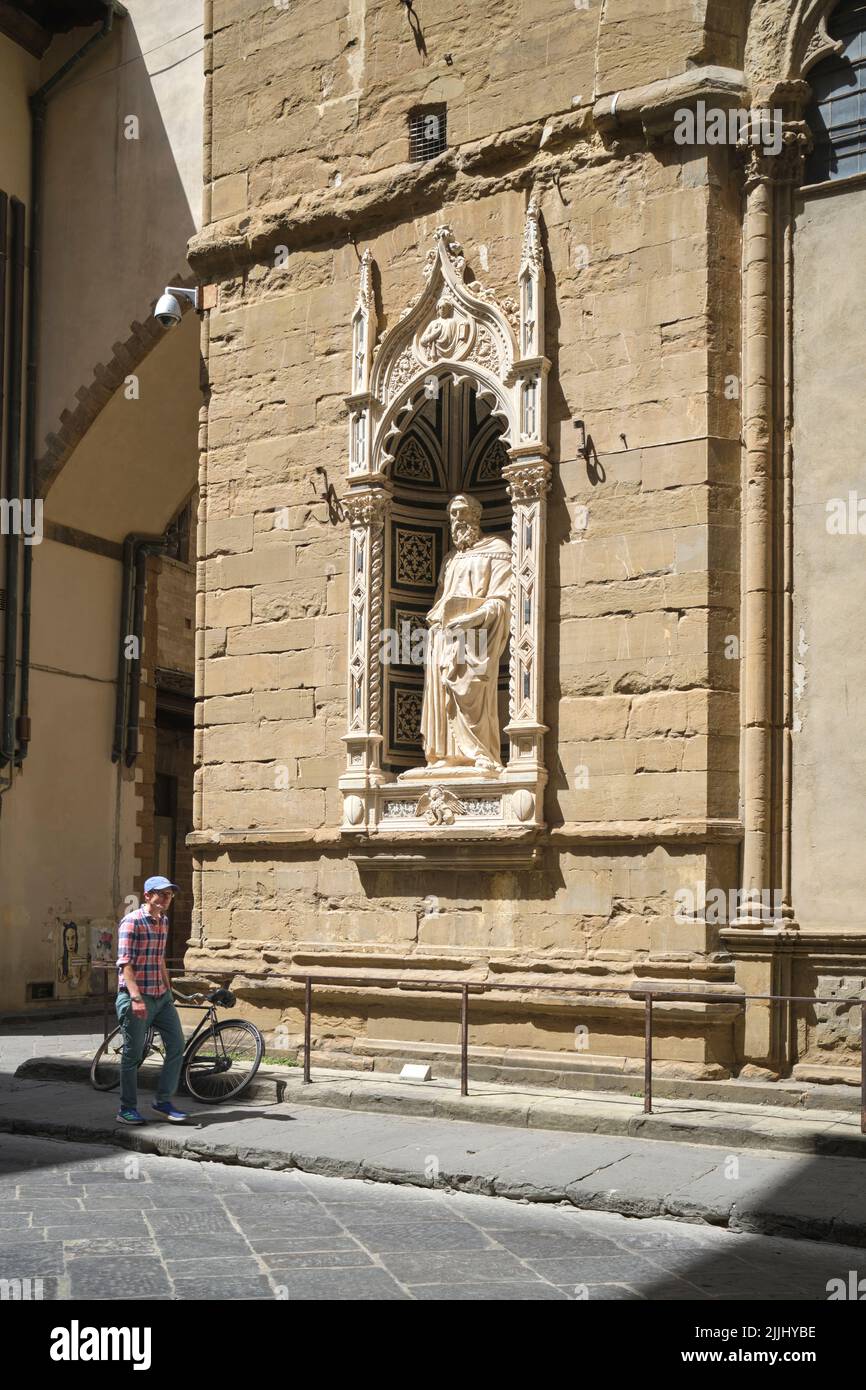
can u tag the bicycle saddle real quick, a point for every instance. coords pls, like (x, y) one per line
(221, 996)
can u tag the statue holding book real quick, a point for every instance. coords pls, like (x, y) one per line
(468, 631)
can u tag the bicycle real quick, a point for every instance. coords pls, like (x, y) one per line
(219, 1059)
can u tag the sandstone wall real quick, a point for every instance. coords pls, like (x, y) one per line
(643, 331)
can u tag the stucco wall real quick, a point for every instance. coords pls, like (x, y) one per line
(18, 76)
(68, 829)
(118, 212)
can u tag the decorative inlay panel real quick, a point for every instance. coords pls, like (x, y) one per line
(413, 464)
(415, 556)
(407, 715)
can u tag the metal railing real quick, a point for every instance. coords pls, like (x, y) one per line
(463, 989)
(108, 969)
(650, 995)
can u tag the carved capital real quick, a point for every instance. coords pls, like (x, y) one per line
(766, 163)
(367, 509)
(527, 481)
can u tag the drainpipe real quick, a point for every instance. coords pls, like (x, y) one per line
(136, 548)
(12, 482)
(38, 106)
(4, 221)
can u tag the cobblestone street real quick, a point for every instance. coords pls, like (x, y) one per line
(92, 1223)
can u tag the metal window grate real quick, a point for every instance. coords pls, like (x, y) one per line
(837, 112)
(427, 133)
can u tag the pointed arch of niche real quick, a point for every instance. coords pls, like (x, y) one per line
(452, 399)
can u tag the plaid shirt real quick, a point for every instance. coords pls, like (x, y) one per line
(141, 943)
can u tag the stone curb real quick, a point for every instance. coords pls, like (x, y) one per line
(753, 1220)
(829, 1134)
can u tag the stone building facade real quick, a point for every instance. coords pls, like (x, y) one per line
(624, 374)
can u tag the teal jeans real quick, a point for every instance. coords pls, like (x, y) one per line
(162, 1015)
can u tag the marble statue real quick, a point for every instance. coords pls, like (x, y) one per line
(468, 630)
(443, 336)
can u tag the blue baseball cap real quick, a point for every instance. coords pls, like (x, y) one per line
(153, 885)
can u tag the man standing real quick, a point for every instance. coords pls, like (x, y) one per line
(144, 999)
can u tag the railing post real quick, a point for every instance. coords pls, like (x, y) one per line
(648, 1054)
(308, 1016)
(104, 1005)
(464, 1041)
(863, 1066)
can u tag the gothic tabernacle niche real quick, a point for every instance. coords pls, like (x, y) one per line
(448, 476)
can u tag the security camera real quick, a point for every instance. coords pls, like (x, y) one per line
(168, 309)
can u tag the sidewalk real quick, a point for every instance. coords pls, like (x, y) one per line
(735, 1124)
(758, 1189)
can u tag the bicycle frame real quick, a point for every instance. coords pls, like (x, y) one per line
(202, 1026)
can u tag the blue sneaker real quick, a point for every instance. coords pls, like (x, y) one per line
(168, 1112)
(128, 1115)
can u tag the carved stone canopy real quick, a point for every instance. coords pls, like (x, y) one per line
(464, 333)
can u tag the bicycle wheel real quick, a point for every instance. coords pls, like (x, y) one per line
(105, 1067)
(223, 1061)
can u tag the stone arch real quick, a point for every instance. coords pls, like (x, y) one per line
(785, 39)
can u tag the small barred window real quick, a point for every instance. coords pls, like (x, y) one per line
(427, 133)
(837, 113)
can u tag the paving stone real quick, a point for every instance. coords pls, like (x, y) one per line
(214, 1267)
(46, 1212)
(112, 1178)
(120, 1202)
(533, 1245)
(367, 1285)
(612, 1293)
(368, 1213)
(317, 1259)
(595, 1269)
(523, 1292)
(132, 1276)
(198, 1221)
(200, 1245)
(49, 1192)
(276, 1244)
(415, 1236)
(290, 1197)
(24, 1261)
(223, 1289)
(458, 1267)
(320, 1226)
(674, 1236)
(93, 1223)
(114, 1245)
(160, 1200)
